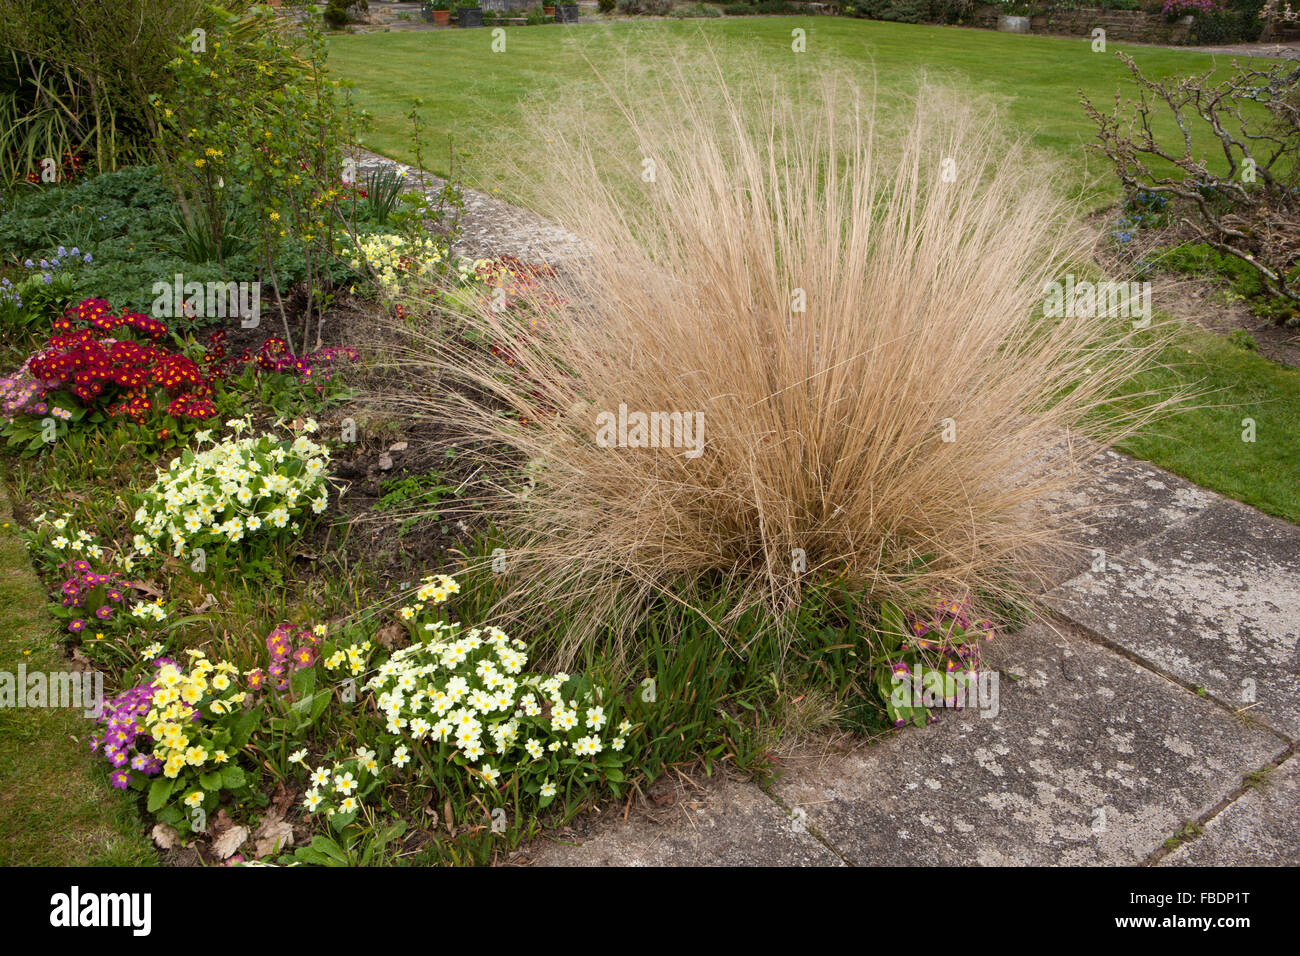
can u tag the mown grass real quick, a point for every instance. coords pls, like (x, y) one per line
(56, 808)
(1205, 444)
(470, 93)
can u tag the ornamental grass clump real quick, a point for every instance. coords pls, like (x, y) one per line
(803, 343)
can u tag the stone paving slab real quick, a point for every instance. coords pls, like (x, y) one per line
(1214, 601)
(736, 824)
(1259, 829)
(1134, 501)
(1091, 759)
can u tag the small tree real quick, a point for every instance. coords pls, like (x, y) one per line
(1250, 208)
(255, 120)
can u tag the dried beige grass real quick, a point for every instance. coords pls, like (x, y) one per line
(824, 428)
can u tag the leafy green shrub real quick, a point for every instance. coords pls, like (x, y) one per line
(954, 11)
(126, 222)
(738, 10)
(911, 11)
(125, 207)
(336, 14)
(1239, 22)
(606, 6)
(81, 76)
(897, 11)
(259, 121)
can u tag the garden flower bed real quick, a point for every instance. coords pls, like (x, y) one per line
(320, 740)
(431, 555)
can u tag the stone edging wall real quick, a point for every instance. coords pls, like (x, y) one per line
(1134, 26)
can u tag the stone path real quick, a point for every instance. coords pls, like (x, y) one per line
(1160, 687)
(490, 227)
(1158, 690)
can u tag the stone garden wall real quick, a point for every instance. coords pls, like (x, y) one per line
(1133, 26)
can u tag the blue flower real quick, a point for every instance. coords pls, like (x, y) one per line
(28, 264)
(62, 252)
(87, 258)
(45, 263)
(48, 278)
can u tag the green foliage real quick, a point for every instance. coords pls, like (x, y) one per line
(38, 135)
(1243, 281)
(383, 186)
(30, 305)
(336, 14)
(1239, 22)
(905, 11)
(414, 493)
(122, 208)
(357, 846)
(78, 78)
(1243, 340)
(127, 222)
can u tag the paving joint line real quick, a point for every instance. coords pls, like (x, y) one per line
(1162, 851)
(1064, 625)
(1067, 627)
(808, 827)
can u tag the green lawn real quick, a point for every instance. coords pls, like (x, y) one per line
(56, 807)
(470, 93)
(1205, 444)
(472, 96)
